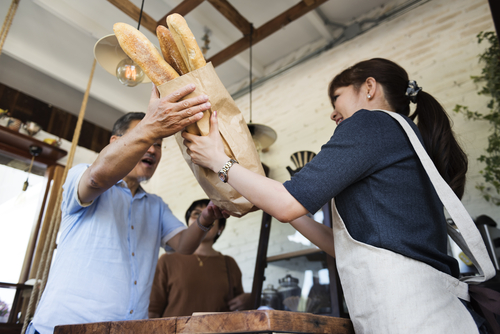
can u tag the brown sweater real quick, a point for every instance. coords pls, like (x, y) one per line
(181, 286)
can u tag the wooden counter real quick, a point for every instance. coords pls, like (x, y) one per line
(230, 322)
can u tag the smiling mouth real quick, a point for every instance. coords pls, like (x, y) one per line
(338, 120)
(148, 161)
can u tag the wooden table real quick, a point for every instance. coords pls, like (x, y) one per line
(227, 322)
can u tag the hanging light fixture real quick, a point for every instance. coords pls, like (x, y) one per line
(262, 135)
(114, 60)
(206, 40)
(34, 151)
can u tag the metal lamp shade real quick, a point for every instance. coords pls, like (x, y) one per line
(108, 53)
(262, 135)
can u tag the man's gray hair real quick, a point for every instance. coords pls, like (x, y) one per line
(123, 123)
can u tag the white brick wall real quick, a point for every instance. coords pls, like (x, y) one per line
(436, 43)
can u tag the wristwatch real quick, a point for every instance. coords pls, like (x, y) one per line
(223, 172)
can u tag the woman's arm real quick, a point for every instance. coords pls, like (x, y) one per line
(267, 194)
(319, 234)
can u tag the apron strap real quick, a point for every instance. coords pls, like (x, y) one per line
(467, 237)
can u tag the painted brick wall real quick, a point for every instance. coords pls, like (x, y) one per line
(436, 43)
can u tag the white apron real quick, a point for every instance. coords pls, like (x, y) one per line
(386, 292)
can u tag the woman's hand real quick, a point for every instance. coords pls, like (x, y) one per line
(207, 151)
(241, 302)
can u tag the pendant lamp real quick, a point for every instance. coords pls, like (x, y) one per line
(114, 60)
(262, 135)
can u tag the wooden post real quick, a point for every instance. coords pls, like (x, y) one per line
(495, 14)
(54, 184)
(261, 261)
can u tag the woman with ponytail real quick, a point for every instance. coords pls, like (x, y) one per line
(391, 242)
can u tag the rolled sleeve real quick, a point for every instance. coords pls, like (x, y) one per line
(171, 226)
(355, 150)
(71, 203)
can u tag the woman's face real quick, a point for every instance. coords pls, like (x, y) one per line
(346, 101)
(192, 220)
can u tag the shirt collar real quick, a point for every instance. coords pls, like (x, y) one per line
(140, 191)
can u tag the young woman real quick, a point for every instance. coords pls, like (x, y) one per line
(391, 242)
(180, 285)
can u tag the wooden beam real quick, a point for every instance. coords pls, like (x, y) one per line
(264, 31)
(230, 13)
(134, 12)
(495, 14)
(182, 9)
(309, 2)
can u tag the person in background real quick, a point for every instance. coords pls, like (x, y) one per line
(391, 242)
(180, 283)
(111, 229)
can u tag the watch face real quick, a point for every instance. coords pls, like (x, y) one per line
(222, 177)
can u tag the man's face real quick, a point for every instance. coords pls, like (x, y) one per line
(145, 168)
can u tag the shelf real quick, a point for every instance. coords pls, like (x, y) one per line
(293, 254)
(16, 144)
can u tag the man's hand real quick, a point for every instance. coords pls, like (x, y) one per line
(168, 115)
(211, 213)
(186, 242)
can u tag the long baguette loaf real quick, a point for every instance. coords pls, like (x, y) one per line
(170, 51)
(184, 38)
(143, 52)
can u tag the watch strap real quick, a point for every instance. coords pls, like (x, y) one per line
(225, 169)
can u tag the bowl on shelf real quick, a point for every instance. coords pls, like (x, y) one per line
(14, 123)
(31, 128)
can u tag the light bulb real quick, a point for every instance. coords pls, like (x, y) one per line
(129, 73)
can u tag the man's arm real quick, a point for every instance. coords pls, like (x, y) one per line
(164, 117)
(186, 241)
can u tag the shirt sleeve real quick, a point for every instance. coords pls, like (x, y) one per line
(71, 203)
(356, 150)
(159, 292)
(171, 226)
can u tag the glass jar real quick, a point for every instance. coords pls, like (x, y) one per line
(289, 293)
(270, 298)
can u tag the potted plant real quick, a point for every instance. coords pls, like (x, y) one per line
(490, 77)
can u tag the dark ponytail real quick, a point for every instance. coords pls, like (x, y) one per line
(433, 122)
(439, 141)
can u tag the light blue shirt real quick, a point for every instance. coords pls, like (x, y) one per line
(106, 256)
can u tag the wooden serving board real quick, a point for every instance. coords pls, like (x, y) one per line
(226, 322)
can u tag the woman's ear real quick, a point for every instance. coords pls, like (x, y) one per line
(371, 87)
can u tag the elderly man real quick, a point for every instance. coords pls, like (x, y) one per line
(111, 229)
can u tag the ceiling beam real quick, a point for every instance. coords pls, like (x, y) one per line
(318, 23)
(134, 12)
(265, 30)
(233, 16)
(182, 9)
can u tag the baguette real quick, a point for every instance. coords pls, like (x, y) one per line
(144, 53)
(170, 50)
(184, 38)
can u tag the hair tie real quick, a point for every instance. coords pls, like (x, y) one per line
(412, 90)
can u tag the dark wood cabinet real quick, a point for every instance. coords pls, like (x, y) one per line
(52, 119)
(322, 298)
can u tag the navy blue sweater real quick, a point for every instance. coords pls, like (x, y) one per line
(381, 189)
